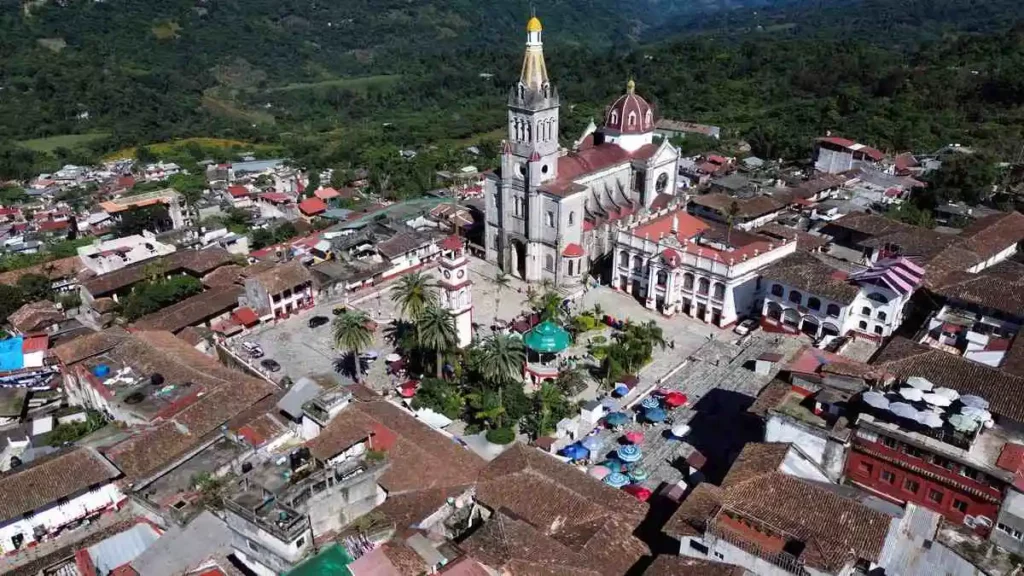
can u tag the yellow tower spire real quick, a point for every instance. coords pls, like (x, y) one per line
(535, 72)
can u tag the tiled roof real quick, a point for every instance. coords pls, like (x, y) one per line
(61, 268)
(990, 235)
(312, 206)
(804, 240)
(409, 509)
(196, 262)
(756, 459)
(504, 539)
(812, 276)
(51, 478)
(89, 345)
(691, 518)
(1000, 287)
(282, 277)
(401, 243)
(35, 316)
(192, 311)
(834, 529)
(223, 276)
(903, 358)
(580, 163)
(748, 207)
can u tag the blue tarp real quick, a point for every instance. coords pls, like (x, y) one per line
(11, 357)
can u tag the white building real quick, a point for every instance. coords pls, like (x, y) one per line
(456, 289)
(48, 495)
(177, 215)
(678, 263)
(102, 257)
(280, 291)
(805, 294)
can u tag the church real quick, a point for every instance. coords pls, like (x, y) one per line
(553, 212)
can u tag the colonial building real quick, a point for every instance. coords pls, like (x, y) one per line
(552, 212)
(680, 263)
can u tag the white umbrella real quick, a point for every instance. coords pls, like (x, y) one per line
(930, 419)
(975, 401)
(979, 414)
(936, 399)
(920, 383)
(393, 358)
(680, 430)
(948, 393)
(903, 410)
(963, 423)
(912, 394)
(876, 400)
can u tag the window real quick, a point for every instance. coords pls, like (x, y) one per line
(887, 477)
(687, 281)
(882, 316)
(911, 486)
(703, 285)
(878, 330)
(662, 278)
(551, 218)
(638, 264)
(863, 325)
(719, 291)
(572, 218)
(300, 542)
(940, 461)
(632, 119)
(624, 260)
(661, 183)
(1011, 531)
(718, 555)
(777, 290)
(913, 451)
(890, 443)
(252, 546)
(864, 468)
(615, 117)
(960, 506)
(796, 297)
(698, 546)
(813, 303)
(970, 473)
(866, 311)
(935, 495)
(878, 298)
(549, 263)
(833, 310)
(648, 118)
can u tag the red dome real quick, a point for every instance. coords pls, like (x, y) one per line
(630, 114)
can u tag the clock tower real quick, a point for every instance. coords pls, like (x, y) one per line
(456, 293)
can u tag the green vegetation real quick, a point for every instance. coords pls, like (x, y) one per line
(72, 431)
(632, 347)
(501, 436)
(51, 143)
(347, 83)
(158, 293)
(50, 252)
(263, 237)
(352, 333)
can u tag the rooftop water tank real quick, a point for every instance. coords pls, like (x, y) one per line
(101, 370)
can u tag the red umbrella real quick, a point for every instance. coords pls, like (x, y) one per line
(408, 389)
(675, 399)
(634, 437)
(637, 491)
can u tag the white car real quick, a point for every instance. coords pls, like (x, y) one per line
(746, 327)
(254, 349)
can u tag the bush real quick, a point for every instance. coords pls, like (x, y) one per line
(584, 323)
(598, 340)
(501, 436)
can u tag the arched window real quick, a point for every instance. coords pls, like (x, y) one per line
(570, 267)
(882, 316)
(877, 297)
(796, 297)
(632, 119)
(719, 293)
(866, 311)
(624, 259)
(648, 119)
(778, 290)
(878, 330)
(863, 325)
(813, 303)
(572, 218)
(687, 281)
(703, 285)
(549, 263)
(638, 264)
(662, 277)
(774, 311)
(833, 310)
(615, 117)
(662, 183)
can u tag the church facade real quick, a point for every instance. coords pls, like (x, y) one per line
(552, 211)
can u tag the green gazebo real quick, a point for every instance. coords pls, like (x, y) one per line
(547, 338)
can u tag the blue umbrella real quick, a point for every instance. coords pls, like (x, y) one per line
(638, 474)
(650, 402)
(655, 415)
(629, 453)
(612, 464)
(616, 480)
(592, 443)
(621, 390)
(616, 419)
(575, 452)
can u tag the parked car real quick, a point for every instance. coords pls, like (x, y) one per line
(339, 311)
(746, 327)
(270, 365)
(254, 349)
(318, 321)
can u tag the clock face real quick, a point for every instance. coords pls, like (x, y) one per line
(460, 274)
(447, 274)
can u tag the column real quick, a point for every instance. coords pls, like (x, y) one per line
(652, 283)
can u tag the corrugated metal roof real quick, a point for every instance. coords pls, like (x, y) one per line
(122, 548)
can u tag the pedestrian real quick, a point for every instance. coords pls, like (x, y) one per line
(672, 344)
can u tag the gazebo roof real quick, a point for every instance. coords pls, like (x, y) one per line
(547, 337)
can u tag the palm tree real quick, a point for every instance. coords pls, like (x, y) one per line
(437, 333)
(414, 294)
(502, 358)
(550, 307)
(501, 282)
(598, 311)
(730, 215)
(351, 331)
(487, 405)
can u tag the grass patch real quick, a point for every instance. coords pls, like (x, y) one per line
(224, 108)
(167, 30)
(52, 44)
(358, 83)
(164, 148)
(51, 143)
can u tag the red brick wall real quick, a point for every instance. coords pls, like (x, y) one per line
(867, 470)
